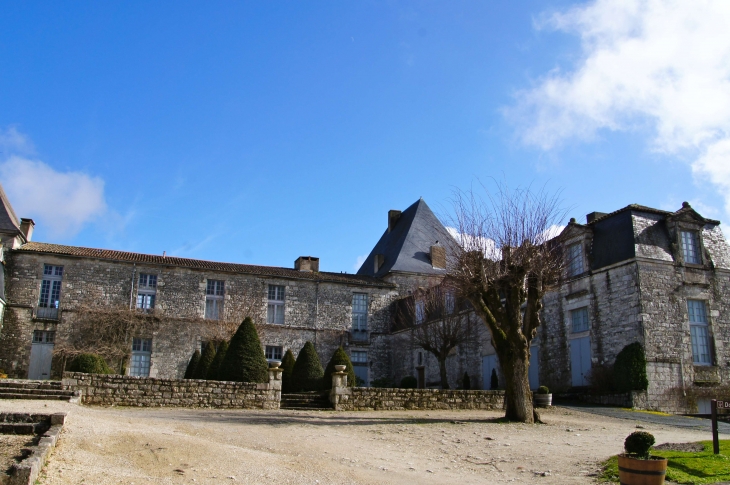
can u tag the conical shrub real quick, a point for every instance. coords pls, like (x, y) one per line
(245, 360)
(206, 360)
(192, 365)
(340, 357)
(89, 364)
(215, 367)
(308, 372)
(287, 366)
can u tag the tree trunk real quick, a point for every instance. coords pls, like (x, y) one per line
(442, 370)
(518, 398)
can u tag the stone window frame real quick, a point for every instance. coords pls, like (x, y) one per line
(696, 245)
(146, 291)
(571, 270)
(700, 327)
(360, 359)
(276, 304)
(360, 305)
(677, 227)
(49, 298)
(140, 362)
(273, 352)
(583, 301)
(573, 313)
(215, 291)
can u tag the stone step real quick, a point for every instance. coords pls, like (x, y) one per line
(38, 392)
(49, 397)
(26, 384)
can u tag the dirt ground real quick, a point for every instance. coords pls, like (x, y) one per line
(10, 446)
(135, 446)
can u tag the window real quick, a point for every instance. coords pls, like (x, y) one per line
(579, 320)
(360, 316)
(575, 259)
(44, 336)
(141, 352)
(691, 247)
(273, 352)
(699, 332)
(146, 291)
(275, 308)
(214, 294)
(420, 312)
(449, 302)
(50, 292)
(359, 357)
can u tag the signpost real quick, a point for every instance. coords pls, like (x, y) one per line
(715, 406)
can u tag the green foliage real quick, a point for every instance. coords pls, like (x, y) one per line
(287, 366)
(543, 390)
(192, 365)
(245, 360)
(89, 364)
(215, 366)
(206, 360)
(629, 370)
(639, 443)
(409, 382)
(494, 380)
(694, 468)
(340, 357)
(307, 373)
(466, 381)
(383, 382)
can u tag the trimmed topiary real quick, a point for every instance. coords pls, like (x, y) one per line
(307, 373)
(629, 370)
(340, 357)
(409, 382)
(542, 390)
(89, 364)
(192, 365)
(206, 360)
(245, 360)
(287, 366)
(494, 380)
(466, 382)
(215, 367)
(638, 444)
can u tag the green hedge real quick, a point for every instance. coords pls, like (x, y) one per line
(192, 365)
(629, 370)
(89, 364)
(245, 360)
(287, 366)
(215, 367)
(206, 361)
(307, 373)
(340, 357)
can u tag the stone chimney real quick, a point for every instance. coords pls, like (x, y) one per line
(593, 216)
(26, 227)
(438, 256)
(307, 263)
(378, 261)
(393, 216)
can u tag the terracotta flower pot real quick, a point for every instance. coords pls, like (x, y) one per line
(633, 471)
(542, 400)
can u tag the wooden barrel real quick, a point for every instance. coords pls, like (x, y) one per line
(542, 400)
(632, 471)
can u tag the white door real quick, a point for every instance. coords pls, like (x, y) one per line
(580, 361)
(534, 371)
(41, 355)
(489, 364)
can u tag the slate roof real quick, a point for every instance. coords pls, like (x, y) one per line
(650, 210)
(9, 222)
(269, 271)
(407, 247)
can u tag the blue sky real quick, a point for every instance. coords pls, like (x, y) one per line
(257, 132)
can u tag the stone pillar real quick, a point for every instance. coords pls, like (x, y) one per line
(275, 384)
(340, 392)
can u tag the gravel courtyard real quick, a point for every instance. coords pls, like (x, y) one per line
(102, 446)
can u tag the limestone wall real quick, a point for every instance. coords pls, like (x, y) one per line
(116, 390)
(365, 399)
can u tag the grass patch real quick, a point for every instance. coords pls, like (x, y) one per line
(702, 467)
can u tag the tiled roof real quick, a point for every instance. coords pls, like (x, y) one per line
(270, 271)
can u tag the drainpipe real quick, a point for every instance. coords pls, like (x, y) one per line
(131, 290)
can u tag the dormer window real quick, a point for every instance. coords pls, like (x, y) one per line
(691, 247)
(575, 259)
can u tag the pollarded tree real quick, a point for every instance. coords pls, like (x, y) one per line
(192, 365)
(245, 360)
(215, 367)
(340, 357)
(308, 372)
(287, 367)
(206, 360)
(503, 264)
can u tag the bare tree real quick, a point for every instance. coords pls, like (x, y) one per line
(503, 265)
(438, 321)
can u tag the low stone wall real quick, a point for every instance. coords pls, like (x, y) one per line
(368, 398)
(633, 399)
(27, 471)
(116, 390)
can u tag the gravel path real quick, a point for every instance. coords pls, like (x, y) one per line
(103, 446)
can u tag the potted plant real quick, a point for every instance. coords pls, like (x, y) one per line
(542, 397)
(637, 466)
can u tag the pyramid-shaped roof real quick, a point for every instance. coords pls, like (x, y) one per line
(9, 222)
(407, 246)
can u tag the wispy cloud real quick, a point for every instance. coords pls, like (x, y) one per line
(359, 261)
(61, 201)
(644, 63)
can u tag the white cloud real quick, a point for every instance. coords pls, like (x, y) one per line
(359, 261)
(471, 242)
(664, 65)
(12, 141)
(60, 201)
